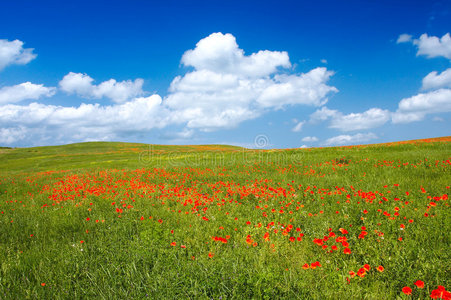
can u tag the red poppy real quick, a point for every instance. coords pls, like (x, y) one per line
(347, 251)
(407, 290)
(419, 284)
(343, 231)
(380, 269)
(440, 293)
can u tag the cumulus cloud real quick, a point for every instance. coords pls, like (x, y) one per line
(305, 89)
(323, 114)
(349, 139)
(310, 139)
(13, 53)
(11, 135)
(119, 92)
(228, 87)
(434, 80)
(298, 126)
(222, 88)
(404, 38)
(371, 118)
(432, 46)
(417, 107)
(220, 53)
(23, 91)
(87, 121)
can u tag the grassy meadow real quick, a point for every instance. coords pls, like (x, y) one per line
(133, 221)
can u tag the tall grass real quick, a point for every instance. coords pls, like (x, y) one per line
(113, 220)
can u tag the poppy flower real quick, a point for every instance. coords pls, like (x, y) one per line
(419, 284)
(343, 231)
(361, 272)
(440, 293)
(347, 251)
(407, 290)
(305, 266)
(380, 269)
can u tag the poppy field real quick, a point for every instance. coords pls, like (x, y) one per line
(118, 220)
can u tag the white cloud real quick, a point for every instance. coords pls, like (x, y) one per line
(77, 83)
(323, 114)
(298, 126)
(305, 89)
(23, 91)
(350, 139)
(404, 38)
(87, 121)
(417, 107)
(180, 135)
(432, 46)
(11, 135)
(220, 53)
(310, 139)
(119, 92)
(371, 118)
(224, 88)
(14, 53)
(228, 87)
(434, 81)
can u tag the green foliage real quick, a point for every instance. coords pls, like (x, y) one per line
(116, 220)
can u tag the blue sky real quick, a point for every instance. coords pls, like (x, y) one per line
(299, 73)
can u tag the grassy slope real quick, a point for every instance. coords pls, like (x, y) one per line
(127, 258)
(93, 155)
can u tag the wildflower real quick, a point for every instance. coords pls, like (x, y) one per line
(343, 231)
(210, 255)
(440, 293)
(305, 266)
(407, 290)
(347, 251)
(361, 272)
(419, 284)
(316, 264)
(43, 284)
(380, 269)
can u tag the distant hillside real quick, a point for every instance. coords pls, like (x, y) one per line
(117, 155)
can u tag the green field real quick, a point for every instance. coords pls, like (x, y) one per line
(135, 221)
